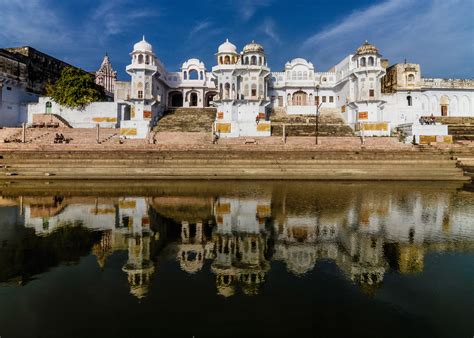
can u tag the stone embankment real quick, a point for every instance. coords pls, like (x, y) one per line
(168, 155)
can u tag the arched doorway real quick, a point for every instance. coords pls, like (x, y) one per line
(444, 103)
(175, 99)
(193, 99)
(210, 98)
(49, 106)
(299, 98)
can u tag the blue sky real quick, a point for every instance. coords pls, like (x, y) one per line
(438, 34)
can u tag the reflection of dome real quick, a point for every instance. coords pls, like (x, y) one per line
(139, 291)
(367, 48)
(253, 47)
(225, 284)
(191, 258)
(301, 259)
(227, 47)
(139, 278)
(142, 46)
(226, 290)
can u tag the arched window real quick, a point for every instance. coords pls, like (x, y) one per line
(246, 90)
(202, 75)
(185, 75)
(226, 91)
(305, 75)
(371, 61)
(300, 75)
(409, 100)
(259, 60)
(227, 60)
(254, 90)
(147, 59)
(193, 74)
(49, 106)
(253, 60)
(221, 60)
(362, 62)
(140, 59)
(233, 90)
(411, 78)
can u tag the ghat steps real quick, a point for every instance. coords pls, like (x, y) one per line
(187, 120)
(461, 128)
(331, 123)
(260, 165)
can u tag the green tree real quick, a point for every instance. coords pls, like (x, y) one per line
(75, 89)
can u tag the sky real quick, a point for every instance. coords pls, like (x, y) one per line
(438, 34)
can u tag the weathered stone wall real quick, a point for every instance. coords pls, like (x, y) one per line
(31, 67)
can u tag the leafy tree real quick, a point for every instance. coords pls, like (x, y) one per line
(75, 89)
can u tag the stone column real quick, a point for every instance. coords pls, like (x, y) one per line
(23, 132)
(98, 133)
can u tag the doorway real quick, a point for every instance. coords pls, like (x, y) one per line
(444, 110)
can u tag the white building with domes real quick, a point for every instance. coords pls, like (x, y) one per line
(362, 88)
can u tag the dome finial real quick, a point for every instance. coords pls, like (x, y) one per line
(227, 40)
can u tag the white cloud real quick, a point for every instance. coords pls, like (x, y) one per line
(30, 23)
(269, 29)
(199, 27)
(248, 8)
(438, 34)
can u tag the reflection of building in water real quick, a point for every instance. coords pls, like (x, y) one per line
(371, 233)
(139, 267)
(193, 248)
(124, 222)
(241, 245)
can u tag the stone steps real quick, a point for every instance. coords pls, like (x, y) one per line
(228, 165)
(187, 120)
(331, 123)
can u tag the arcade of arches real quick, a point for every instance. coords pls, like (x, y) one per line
(176, 99)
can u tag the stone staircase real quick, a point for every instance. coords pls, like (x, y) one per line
(229, 164)
(187, 120)
(461, 128)
(331, 123)
(50, 119)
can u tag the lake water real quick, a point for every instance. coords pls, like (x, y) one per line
(227, 259)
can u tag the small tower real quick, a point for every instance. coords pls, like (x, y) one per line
(243, 91)
(366, 106)
(106, 75)
(227, 54)
(143, 91)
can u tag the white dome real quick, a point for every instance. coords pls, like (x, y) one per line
(142, 46)
(227, 47)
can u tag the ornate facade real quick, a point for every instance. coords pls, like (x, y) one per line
(106, 76)
(362, 88)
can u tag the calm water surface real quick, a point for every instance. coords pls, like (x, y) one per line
(226, 259)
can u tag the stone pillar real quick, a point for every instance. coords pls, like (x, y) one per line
(284, 134)
(23, 132)
(98, 133)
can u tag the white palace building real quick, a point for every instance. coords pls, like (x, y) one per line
(363, 88)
